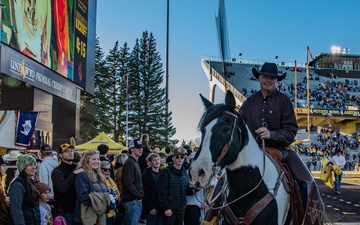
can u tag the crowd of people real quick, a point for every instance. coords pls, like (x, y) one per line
(327, 144)
(139, 185)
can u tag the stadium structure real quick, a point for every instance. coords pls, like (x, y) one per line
(47, 59)
(334, 96)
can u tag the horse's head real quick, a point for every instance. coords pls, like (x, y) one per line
(222, 139)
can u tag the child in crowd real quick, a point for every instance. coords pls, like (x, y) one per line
(45, 209)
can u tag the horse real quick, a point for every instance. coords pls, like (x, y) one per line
(253, 189)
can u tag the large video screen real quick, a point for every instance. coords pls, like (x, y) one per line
(52, 32)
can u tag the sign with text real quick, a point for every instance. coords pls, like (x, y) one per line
(81, 33)
(22, 68)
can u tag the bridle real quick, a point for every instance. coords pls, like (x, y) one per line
(218, 160)
(255, 209)
(226, 147)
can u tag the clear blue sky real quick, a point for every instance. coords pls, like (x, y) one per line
(259, 29)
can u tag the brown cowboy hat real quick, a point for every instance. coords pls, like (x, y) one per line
(269, 69)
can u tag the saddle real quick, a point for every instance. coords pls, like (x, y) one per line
(296, 203)
(296, 207)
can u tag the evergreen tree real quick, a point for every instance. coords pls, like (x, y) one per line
(117, 67)
(147, 96)
(94, 108)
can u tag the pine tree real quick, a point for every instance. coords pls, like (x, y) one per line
(147, 95)
(94, 108)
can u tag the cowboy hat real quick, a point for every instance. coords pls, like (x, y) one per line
(12, 156)
(269, 69)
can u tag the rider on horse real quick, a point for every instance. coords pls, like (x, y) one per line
(270, 117)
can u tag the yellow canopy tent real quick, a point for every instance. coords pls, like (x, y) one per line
(102, 138)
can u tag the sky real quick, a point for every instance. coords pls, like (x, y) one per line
(259, 29)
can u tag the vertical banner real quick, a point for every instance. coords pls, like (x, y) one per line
(25, 127)
(81, 34)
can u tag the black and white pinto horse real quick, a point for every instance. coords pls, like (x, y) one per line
(251, 176)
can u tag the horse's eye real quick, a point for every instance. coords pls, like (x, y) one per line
(226, 129)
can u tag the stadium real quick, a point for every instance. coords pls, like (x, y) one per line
(333, 82)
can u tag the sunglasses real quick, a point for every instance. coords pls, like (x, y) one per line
(179, 156)
(106, 169)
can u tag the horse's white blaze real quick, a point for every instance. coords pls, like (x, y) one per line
(204, 161)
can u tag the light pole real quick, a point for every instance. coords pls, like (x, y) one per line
(167, 74)
(240, 54)
(276, 57)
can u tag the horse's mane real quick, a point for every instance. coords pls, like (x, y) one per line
(211, 113)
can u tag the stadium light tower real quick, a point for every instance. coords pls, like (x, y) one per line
(340, 50)
(167, 74)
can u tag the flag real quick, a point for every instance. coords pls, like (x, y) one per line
(25, 127)
(326, 173)
(309, 52)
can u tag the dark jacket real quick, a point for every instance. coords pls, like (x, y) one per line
(174, 186)
(84, 186)
(64, 189)
(151, 185)
(278, 114)
(131, 181)
(24, 208)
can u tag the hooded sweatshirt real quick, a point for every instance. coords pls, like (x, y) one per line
(45, 168)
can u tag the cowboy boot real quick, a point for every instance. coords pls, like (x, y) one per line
(312, 202)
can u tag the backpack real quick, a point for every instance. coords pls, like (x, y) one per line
(59, 220)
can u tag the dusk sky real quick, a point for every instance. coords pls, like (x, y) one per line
(259, 29)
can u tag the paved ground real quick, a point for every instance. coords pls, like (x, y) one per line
(344, 208)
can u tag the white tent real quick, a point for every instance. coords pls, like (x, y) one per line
(7, 130)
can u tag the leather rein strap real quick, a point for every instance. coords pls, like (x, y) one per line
(256, 209)
(226, 147)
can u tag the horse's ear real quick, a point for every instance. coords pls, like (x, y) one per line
(230, 101)
(206, 102)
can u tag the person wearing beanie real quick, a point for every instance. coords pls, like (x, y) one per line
(45, 209)
(4, 203)
(24, 207)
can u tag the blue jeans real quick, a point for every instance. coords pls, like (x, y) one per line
(154, 220)
(132, 212)
(69, 218)
(337, 181)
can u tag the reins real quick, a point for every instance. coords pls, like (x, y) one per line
(222, 154)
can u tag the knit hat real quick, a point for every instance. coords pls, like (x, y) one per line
(23, 161)
(42, 187)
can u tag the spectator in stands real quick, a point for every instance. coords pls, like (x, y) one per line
(24, 207)
(132, 189)
(4, 201)
(103, 150)
(174, 186)
(63, 178)
(87, 182)
(339, 160)
(151, 184)
(48, 164)
(45, 209)
(120, 160)
(146, 151)
(105, 170)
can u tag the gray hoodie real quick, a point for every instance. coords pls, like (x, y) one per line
(45, 168)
